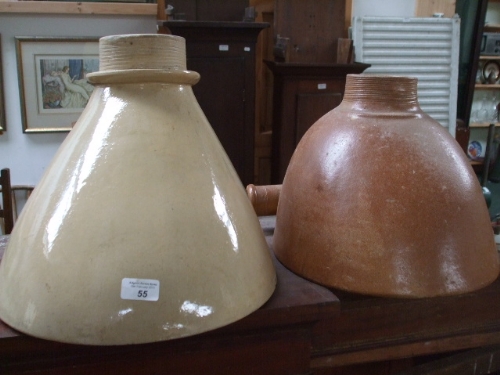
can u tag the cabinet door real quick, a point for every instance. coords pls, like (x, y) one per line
(310, 107)
(299, 105)
(221, 95)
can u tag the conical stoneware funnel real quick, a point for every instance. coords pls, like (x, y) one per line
(140, 229)
(379, 199)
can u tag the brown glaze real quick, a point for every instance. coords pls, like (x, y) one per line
(264, 198)
(380, 199)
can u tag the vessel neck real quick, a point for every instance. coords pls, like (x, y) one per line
(142, 51)
(382, 93)
(142, 58)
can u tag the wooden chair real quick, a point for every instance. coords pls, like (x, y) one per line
(6, 212)
(20, 194)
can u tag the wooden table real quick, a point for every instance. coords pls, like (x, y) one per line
(384, 336)
(276, 339)
(303, 329)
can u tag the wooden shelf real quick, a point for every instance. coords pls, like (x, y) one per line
(482, 124)
(484, 86)
(59, 7)
(489, 57)
(492, 28)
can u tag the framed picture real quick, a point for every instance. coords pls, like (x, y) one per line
(3, 125)
(52, 80)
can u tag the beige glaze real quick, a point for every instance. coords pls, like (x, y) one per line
(380, 199)
(142, 189)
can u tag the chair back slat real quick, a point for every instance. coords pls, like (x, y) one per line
(21, 193)
(6, 213)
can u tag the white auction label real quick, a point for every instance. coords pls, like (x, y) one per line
(140, 289)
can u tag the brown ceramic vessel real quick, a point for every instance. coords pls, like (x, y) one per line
(380, 199)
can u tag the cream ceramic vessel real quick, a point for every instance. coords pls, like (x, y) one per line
(140, 229)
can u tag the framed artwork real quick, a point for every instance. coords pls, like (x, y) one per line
(3, 125)
(52, 80)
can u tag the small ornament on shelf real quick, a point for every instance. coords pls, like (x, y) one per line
(491, 72)
(475, 150)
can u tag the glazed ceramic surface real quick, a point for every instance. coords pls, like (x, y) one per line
(140, 229)
(380, 199)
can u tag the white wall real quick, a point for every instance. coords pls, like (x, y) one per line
(27, 155)
(381, 8)
(493, 13)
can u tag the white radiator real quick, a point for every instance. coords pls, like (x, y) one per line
(425, 48)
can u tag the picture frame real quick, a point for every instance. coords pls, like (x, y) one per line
(53, 88)
(3, 124)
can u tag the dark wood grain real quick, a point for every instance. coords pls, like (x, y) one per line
(477, 361)
(6, 210)
(376, 329)
(209, 10)
(313, 28)
(226, 90)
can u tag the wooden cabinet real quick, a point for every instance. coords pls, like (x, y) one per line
(208, 10)
(224, 55)
(485, 105)
(485, 108)
(473, 134)
(302, 94)
(313, 28)
(486, 94)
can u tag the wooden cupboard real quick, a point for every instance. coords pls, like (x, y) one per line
(224, 55)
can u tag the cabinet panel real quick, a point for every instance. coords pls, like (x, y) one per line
(313, 28)
(208, 10)
(310, 107)
(224, 55)
(220, 94)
